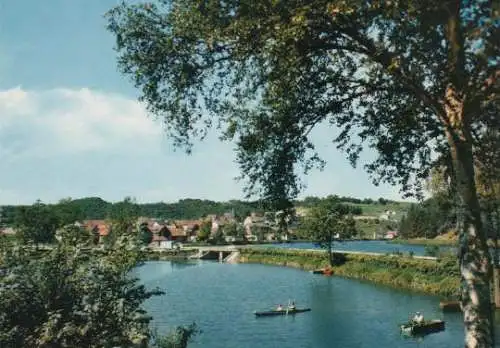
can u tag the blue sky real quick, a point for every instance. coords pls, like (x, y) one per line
(70, 125)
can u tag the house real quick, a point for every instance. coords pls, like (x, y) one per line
(160, 229)
(254, 221)
(184, 230)
(391, 234)
(161, 242)
(219, 221)
(387, 215)
(100, 228)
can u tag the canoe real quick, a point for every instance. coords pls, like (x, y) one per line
(425, 328)
(282, 312)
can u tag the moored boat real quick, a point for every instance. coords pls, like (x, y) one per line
(325, 271)
(281, 312)
(450, 306)
(424, 328)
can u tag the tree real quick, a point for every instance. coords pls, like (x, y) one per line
(73, 297)
(145, 234)
(327, 221)
(75, 235)
(124, 214)
(217, 237)
(37, 223)
(68, 212)
(204, 231)
(409, 78)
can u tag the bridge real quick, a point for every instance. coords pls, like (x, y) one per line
(232, 252)
(229, 254)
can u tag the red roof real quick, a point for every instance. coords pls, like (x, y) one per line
(101, 226)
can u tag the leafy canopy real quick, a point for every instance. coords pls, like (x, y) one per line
(328, 220)
(73, 295)
(266, 72)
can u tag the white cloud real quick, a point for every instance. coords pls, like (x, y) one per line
(79, 143)
(71, 121)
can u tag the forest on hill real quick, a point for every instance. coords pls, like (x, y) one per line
(189, 208)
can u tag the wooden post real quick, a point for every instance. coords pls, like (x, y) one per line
(496, 286)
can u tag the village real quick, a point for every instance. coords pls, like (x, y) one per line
(256, 227)
(226, 228)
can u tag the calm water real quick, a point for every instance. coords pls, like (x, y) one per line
(221, 299)
(376, 246)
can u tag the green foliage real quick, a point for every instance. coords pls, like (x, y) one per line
(311, 201)
(93, 208)
(75, 296)
(217, 237)
(350, 63)
(124, 215)
(179, 338)
(145, 235)
(68, 212)
(428, 219)
(204, 232)
(432, 250)
(409, 79)
(327, 220)
(71, 297)
(233, 230)
(433, 277)
(74, 235)
(37, 223)
(96, 208)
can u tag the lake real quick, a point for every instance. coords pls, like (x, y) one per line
(221, 299)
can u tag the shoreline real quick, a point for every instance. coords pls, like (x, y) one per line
(424, 242)
(439, 278)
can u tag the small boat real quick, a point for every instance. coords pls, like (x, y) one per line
(424, 328)
(450, 306)
(325, 271)
(282, 312)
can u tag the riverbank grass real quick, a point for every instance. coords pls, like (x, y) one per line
(437, 277)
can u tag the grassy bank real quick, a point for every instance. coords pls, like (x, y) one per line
(426, 276)
(425, 242)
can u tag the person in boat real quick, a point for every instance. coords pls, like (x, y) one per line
(418, 318)
(279, 308)
(292, 306)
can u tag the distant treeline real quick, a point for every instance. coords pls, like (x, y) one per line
(313, 201)
(97, 208)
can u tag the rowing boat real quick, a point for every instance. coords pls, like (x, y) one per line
(281, 312)
(424, 328)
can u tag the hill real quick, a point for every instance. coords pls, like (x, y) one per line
(97, 208)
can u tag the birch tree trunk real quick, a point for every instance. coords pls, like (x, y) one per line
(474, 256)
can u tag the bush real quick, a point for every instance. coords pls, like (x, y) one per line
(73, 296)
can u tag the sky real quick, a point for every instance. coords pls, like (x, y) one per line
(71, 126)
